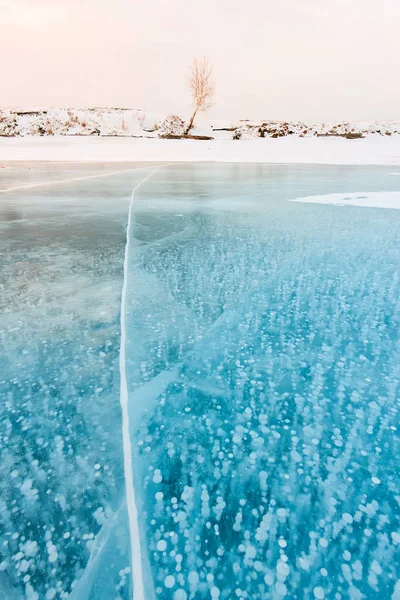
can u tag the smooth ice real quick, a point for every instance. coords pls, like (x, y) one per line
(261, 341)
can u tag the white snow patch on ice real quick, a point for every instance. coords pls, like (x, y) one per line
(366, 199)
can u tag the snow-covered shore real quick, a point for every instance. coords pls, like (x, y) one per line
(372, 150)
(115, 134)
(123, 122)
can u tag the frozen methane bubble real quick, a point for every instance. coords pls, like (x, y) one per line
(161, 545)
(169, 581)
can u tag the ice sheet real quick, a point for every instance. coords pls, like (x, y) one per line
(263, 370)
(263, 375)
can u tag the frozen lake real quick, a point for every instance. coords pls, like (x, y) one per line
(262, 369)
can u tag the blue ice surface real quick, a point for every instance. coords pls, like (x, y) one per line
(61, 468)
(263, 375)
(264, 367)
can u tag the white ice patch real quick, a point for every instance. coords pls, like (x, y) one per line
(366, 199)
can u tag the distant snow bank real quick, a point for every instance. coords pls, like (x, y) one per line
(373, 150)
(122, 122)
(365, 199)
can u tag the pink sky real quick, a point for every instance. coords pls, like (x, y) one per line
(298, 59)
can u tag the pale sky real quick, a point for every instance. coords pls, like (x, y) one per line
(273, 59)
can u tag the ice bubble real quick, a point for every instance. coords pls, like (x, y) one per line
(169, 581)
(347, 518)
(157, 477)
(282, 569)
(376, 567)
(281, 589)
(161, 545)
(24, 566)
(304, 563)
(193, 578)
(295, 456)
(396, 591)
(251, 551)
(319, 593)
(395, 537)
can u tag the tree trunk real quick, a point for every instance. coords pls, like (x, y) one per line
(189, 127)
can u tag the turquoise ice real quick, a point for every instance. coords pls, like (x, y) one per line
(263, 366)
(262, 370)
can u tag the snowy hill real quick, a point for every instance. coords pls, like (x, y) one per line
(119, 122)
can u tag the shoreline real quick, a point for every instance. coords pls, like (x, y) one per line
(371, 150)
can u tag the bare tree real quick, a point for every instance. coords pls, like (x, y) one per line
(202, 87)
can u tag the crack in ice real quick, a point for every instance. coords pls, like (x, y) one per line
(136, 551)
(44, 183)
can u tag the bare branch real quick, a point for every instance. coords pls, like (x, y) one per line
(201, 85)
